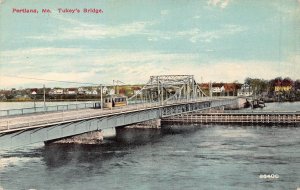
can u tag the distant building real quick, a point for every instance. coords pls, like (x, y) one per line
(56, 91)
(287, 88)
(5, 92)
(71, 91)
(246, 90)
(81, 90)
(231, 88)
(91, 92)
(3, 97)
(33, 91)
(284, 85)
(94, 92)
(221, 89)
(217, 87)
(204, 86)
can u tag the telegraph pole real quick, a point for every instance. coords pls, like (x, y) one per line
(44, 98)
(101, 95)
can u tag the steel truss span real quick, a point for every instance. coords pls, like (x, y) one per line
(163, 88)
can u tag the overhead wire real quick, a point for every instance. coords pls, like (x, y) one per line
(51, 80)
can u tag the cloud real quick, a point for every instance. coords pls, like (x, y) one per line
(196, 34)
(40, 52)
(97, 31)
(83, 30)
(89, 65)
(219, 3)
(102, 66)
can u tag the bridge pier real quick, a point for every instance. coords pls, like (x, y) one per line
(94, 137)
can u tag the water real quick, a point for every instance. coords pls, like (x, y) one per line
(176, 157)
(282, 106)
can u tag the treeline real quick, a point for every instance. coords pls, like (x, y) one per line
(277, 88)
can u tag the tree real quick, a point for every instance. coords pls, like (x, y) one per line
(287, 82)
(258, 85)
(278, 81)
(297, 84)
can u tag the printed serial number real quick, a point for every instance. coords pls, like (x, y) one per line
(268, 176)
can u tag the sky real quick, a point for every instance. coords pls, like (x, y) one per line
(214, 40)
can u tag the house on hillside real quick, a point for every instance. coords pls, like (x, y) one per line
(283, 86)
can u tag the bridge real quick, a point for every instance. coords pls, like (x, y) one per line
(162, 96)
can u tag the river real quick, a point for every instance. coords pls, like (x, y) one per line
(174, 157)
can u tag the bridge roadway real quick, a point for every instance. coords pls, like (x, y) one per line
(21, 130)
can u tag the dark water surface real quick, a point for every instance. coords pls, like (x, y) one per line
(176, 157)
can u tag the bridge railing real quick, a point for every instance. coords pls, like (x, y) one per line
(32, 110)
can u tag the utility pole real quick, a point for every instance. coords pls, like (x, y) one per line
(44, 98)
(210, 89)
(34, 101)
(158, 90)
(101, 95)
(162, 94)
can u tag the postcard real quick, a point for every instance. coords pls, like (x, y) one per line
(197, 94)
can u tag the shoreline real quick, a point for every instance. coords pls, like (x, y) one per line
(84, 100)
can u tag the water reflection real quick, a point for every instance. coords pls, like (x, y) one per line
(126, 140)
